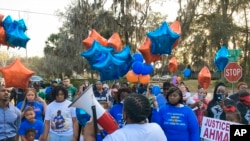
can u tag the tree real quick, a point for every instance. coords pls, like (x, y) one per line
(62, 51)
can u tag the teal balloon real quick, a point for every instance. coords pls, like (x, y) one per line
(162, 39)
(221, 58)
(82, 116)
(15, 32)
(7, 22)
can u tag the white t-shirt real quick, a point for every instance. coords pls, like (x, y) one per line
(60, 116)
(138, 132)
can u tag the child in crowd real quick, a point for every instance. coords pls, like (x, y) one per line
(29, 123)
(30, 135)
(232, 114)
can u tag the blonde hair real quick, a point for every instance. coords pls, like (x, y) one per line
(25, 97)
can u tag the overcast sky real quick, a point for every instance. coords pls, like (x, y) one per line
(41, 22)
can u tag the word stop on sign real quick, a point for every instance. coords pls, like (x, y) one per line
(233, 72)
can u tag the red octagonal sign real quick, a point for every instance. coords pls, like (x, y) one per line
(233, 72)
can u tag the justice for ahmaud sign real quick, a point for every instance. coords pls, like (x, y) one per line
(215, 130)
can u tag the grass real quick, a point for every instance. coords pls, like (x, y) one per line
(192, 85)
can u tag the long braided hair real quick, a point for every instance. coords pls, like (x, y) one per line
(137, 107)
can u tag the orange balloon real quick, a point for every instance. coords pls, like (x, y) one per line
(94, 36)
(1, 18)
(2, 36)
(145, 50)
(204, 77)
(172, 65)
(176, 27)
(131, 77)
(179, 79)
(16, 75)
(115, 42)
(144, 79)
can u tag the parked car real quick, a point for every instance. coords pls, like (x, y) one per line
(36, 79)
(165, 77)
(156, 78)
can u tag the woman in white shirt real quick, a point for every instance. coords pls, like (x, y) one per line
(136, 109)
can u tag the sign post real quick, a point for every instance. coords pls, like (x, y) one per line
(233, 72)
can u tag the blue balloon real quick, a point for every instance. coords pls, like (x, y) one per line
(111, 66)
(138, 57)
(15, 34)
(162, 39)
(156, 90)
(22, 25)
(137, 67)
(126, 66)
(7, 22)
(221, 58)
(82, 116)
(147, 69)
(97, 53)
(124, 54)
(187, 72)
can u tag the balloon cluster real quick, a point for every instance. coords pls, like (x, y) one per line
(160, 41)
(12, 32)
(107, 56)
(140, 70)
(221, 58)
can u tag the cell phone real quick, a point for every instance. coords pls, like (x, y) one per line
(31, 104)
(220, 97)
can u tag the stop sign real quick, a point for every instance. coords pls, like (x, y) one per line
(233, 72)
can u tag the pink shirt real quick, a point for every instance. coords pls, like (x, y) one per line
(199, 112)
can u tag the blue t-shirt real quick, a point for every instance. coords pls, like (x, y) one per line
(37, 125)
(38, 108)
(116, 112)
(178, 123)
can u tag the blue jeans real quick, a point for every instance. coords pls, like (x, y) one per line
(56, 137)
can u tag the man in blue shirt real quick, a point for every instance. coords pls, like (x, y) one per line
(10, 118)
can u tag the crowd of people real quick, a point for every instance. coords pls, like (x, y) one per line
(141, 111)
